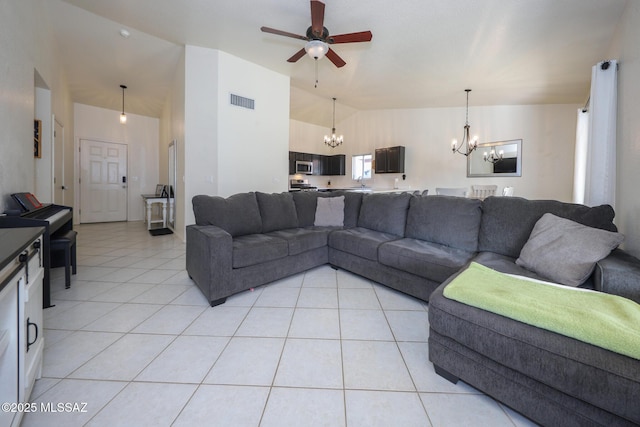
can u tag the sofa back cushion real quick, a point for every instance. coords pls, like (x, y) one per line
(507, 222)
(352, 205)
(306, 203)
(446, 220)
(385, 212)
(238, 215)
(277, 210)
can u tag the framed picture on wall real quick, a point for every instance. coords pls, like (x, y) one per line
(37, 135)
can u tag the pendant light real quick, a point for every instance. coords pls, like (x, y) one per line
(333, 141)
(123, 116)
(467, 145)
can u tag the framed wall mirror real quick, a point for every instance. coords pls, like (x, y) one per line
(173, 151)
(502, 158)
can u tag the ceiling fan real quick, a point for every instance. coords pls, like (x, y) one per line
(318, 38)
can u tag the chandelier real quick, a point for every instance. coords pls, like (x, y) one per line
(333, 141)
(467, 145)
(493, 157)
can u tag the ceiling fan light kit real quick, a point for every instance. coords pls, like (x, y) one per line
(316, 49)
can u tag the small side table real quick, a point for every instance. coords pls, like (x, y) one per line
(149, 200)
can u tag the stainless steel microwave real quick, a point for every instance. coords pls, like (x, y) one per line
(305, 168)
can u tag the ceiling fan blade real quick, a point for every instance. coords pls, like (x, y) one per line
(299, 54)
(282, 33)
(333, 57)
(362, 36)
(317, 17)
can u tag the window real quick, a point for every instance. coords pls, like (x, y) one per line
(361, 167)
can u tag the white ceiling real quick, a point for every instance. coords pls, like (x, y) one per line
(424, 53)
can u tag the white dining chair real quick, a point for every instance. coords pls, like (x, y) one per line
(483, 191)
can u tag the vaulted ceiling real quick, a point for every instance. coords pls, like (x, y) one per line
(424, 53)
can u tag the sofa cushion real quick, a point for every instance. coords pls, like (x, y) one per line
(238, 215)
(254, 249)
(507, 221)
(359, 241)
(306, 204)
(352, 206)
(447, 220)
(303, 239)
(425, 259)
(385, 212)
(330, 212)
(564, 251)
(277, 210)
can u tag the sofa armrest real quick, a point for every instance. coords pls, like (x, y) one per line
(209, 260)
(618, 274)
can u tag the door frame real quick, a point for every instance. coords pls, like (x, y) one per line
(57, 161)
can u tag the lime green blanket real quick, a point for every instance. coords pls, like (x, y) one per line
(604, 320)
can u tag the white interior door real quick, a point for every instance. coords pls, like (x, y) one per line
(103, 181)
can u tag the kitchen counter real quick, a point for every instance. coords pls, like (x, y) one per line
(368, 190)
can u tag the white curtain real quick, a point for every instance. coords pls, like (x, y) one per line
(580, 168)
(599, 163)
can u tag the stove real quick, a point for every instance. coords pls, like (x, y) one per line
(301, 185)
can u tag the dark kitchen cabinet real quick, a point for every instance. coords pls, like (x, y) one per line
(322, 165)
(316, 159)
(300, 157)
(292, 162)
(390, 159)
(333, 165)
(336, 165)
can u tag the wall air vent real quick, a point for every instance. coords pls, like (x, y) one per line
(241, 101)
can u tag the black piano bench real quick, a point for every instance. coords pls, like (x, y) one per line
(66, 242)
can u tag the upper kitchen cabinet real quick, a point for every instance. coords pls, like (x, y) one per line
(322, 165)
(390, 159)
(333, 165)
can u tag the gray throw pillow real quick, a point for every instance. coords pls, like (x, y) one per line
(565, 251)
(330, 212)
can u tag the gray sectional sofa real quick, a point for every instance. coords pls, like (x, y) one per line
(416, 245)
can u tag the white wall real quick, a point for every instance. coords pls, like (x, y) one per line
(253, 145)
(27, 45)
(140, 134)
(228, 150)
(547, 131)
(627, 50)
(172, 128)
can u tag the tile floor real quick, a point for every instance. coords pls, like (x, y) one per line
(136, 341)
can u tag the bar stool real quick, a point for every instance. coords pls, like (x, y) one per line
(66, 242)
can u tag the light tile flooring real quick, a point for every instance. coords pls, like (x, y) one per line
(136, 341)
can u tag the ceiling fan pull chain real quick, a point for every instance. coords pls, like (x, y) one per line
(316, 61)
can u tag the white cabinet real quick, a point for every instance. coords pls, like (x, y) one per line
(31, 326)
(21, 319)
(9, 342)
